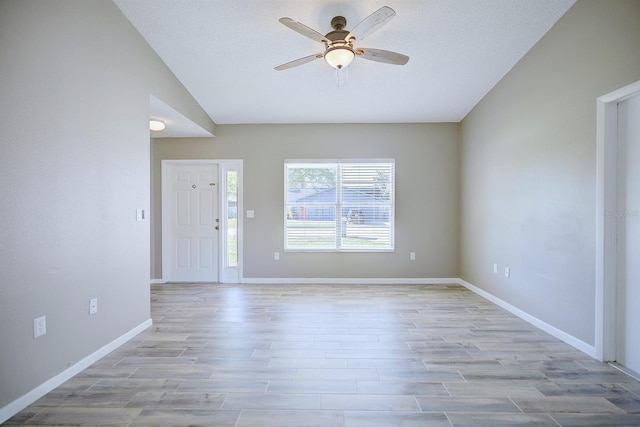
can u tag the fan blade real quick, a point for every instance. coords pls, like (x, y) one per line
(372, 23)
(299, 61)
(380, 55)
(303, 29)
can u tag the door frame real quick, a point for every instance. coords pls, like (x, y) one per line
(223, 167)
(606, 207)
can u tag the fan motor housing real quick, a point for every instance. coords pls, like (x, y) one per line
(337, 35)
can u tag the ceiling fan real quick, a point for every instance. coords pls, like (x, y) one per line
(339, 44)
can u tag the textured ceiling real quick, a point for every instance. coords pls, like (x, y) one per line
(225, 51)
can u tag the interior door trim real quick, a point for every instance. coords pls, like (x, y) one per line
(606, 204)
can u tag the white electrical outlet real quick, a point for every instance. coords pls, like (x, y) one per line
(139, 214)
(276, 256)
(507, 272)
(93, 305)
(412, 256)
(495, 268)
(39, 326)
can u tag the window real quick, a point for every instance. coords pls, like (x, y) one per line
(231, 258)
(345, 205)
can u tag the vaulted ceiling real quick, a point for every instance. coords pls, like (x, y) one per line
(225, 51)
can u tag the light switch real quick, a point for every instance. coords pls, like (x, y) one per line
(93, 305)
(139, 214)
(250, 214)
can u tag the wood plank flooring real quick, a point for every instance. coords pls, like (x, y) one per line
(338, 355)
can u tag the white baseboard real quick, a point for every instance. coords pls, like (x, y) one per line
(551, 330)
(156, 281)
(22, 402)
(347, 281)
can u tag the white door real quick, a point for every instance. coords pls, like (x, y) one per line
(628, 235)
(191, 222)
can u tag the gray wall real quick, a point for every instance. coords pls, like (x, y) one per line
(75, 79)
(528, 166)
(426, 194)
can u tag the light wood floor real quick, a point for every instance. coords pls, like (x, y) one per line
(329, 355)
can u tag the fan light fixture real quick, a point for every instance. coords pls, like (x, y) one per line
(339, 56)
(156, 125)
(339, 50)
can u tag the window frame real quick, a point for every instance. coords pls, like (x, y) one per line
(340, 205)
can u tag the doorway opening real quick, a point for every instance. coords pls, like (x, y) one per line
(613, 292)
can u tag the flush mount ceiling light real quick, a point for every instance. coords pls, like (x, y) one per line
(339, 43)
(156, 125)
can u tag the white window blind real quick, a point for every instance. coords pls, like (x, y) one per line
(345, 205)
